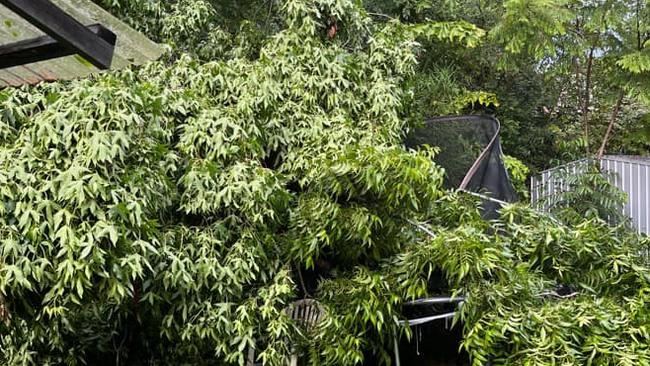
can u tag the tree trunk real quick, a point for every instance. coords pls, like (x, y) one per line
(585, 106)
(612, 119)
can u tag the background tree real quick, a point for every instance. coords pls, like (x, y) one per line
(170, 213)
(555, 72)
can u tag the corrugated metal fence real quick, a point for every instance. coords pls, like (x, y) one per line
(631, 174)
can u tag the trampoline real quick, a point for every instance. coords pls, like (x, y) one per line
(470, 153)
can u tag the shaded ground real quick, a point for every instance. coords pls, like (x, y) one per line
(433, 344)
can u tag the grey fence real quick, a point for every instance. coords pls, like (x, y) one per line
(631, 174)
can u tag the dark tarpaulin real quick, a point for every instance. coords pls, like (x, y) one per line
(470, 153)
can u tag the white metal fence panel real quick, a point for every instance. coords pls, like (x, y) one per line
(630, 174)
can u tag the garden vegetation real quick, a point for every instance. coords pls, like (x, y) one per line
(169, 213)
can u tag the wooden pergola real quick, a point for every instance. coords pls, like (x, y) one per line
(64, 36)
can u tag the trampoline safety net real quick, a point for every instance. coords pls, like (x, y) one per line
(470, 153)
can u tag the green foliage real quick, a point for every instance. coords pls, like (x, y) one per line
(151, 215)
(586, 194)
(635, 135)
(602, 321)
(458, 32)
(529, 26)
(509, 276)
(636, 62)
(165, 214)
(206, 29)
(518, 173)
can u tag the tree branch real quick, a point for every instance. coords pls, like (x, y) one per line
(585, 105)
(612, 119)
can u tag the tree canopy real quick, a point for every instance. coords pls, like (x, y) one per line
(170, 213)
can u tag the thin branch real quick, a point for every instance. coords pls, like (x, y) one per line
(612, 119)
(422, 228)
(381, 15)
(587, 96)
(638, 25)
(302, 282)
(558, 296)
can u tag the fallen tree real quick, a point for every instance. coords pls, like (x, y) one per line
(169, 213)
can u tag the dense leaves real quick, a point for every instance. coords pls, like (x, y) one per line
(169, 214)
(601, 317)
(586, 193)
(172, 205)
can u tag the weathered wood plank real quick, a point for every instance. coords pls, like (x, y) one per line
(44, 48)
(70, 33)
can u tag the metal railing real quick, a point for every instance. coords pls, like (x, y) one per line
(629, 174)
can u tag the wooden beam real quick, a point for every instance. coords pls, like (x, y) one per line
(71, 34)
(44, 48)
